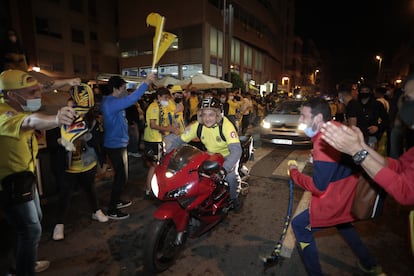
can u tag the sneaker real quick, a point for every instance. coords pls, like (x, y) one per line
(58, 232)
(117, 214)
(376, 270)
(41, 266)
(135, 154)
(122, 204)
(99, 216)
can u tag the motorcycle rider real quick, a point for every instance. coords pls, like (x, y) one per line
(218, 135)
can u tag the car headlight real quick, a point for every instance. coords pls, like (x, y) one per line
(154, 185)
(302, 126)
(266, 124)
(179, 192)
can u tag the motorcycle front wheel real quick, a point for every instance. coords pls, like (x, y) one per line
(160, 250)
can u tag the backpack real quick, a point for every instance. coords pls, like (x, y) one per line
(200, 129)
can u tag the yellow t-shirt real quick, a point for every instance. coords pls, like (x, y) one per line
(211, 138)
(193, 102)
(18, 148)
(233, 106)
(153, 113)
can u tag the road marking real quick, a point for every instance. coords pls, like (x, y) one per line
(301, 157)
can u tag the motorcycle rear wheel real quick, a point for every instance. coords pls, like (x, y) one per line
(160, 251)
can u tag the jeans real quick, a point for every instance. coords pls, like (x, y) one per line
(233, 179)
(25, 217)
(307, 245)
(119, 160)
(133, 145)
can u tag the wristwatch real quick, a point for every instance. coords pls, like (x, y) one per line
(360, 156)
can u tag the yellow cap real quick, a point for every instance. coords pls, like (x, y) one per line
(16, 79)
(175, 89)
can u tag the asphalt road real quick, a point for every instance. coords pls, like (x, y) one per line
(234, 247)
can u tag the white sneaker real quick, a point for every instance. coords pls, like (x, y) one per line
(58, 232)
(41, 266)
(99, 216)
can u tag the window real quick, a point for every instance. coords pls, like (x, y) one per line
(130, 72)
(76, 5)
(213, 41)
(168, 70)
(49, 27)
(92, 7)
(79, 64)
(235, 50)
(258, 61)
(188, 70)
(51, 61)
(93, 36)
(77, 36)
(144, 71)
(247, 56)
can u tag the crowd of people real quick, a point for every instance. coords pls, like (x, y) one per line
(118, 120)
(374, 132)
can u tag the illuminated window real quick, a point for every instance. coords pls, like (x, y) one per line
(188, 70)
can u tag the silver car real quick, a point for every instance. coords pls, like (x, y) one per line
(282, 125)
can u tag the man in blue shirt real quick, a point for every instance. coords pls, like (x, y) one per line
(116, 136)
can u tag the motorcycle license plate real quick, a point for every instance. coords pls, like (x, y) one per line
(282, 141)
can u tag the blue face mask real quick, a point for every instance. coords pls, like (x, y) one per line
(310, 132)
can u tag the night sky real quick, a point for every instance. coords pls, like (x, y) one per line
(349, 34)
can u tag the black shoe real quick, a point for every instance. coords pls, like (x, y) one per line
(149, 195)
(236, 204)
(122, 204)
(117, 214)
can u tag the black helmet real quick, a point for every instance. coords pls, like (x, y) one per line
(210, 103)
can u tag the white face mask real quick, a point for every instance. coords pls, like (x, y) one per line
(164, 103)
(32, 105)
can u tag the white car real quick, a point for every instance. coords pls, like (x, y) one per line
(282, 125)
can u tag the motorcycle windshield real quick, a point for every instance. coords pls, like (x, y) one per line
(182, 157)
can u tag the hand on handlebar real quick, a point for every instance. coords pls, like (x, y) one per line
(219, 176)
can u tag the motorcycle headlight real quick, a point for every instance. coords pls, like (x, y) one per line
(179, 192)
(154, 185)
(169, 174)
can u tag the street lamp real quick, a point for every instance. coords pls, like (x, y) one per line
(379, 58)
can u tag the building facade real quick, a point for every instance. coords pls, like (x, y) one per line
(66, 37)
(250, 38)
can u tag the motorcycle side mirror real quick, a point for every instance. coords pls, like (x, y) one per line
(209, 167)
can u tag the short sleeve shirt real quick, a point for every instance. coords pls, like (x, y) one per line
(18, 148)
(153, 113)
(211, 138)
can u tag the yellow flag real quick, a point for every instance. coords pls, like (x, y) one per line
(157, 21)
(166, 40)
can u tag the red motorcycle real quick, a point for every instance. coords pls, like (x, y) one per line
(196, 198)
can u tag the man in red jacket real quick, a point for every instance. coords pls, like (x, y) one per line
(333, 187)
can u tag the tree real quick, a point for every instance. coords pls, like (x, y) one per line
(237, 81)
